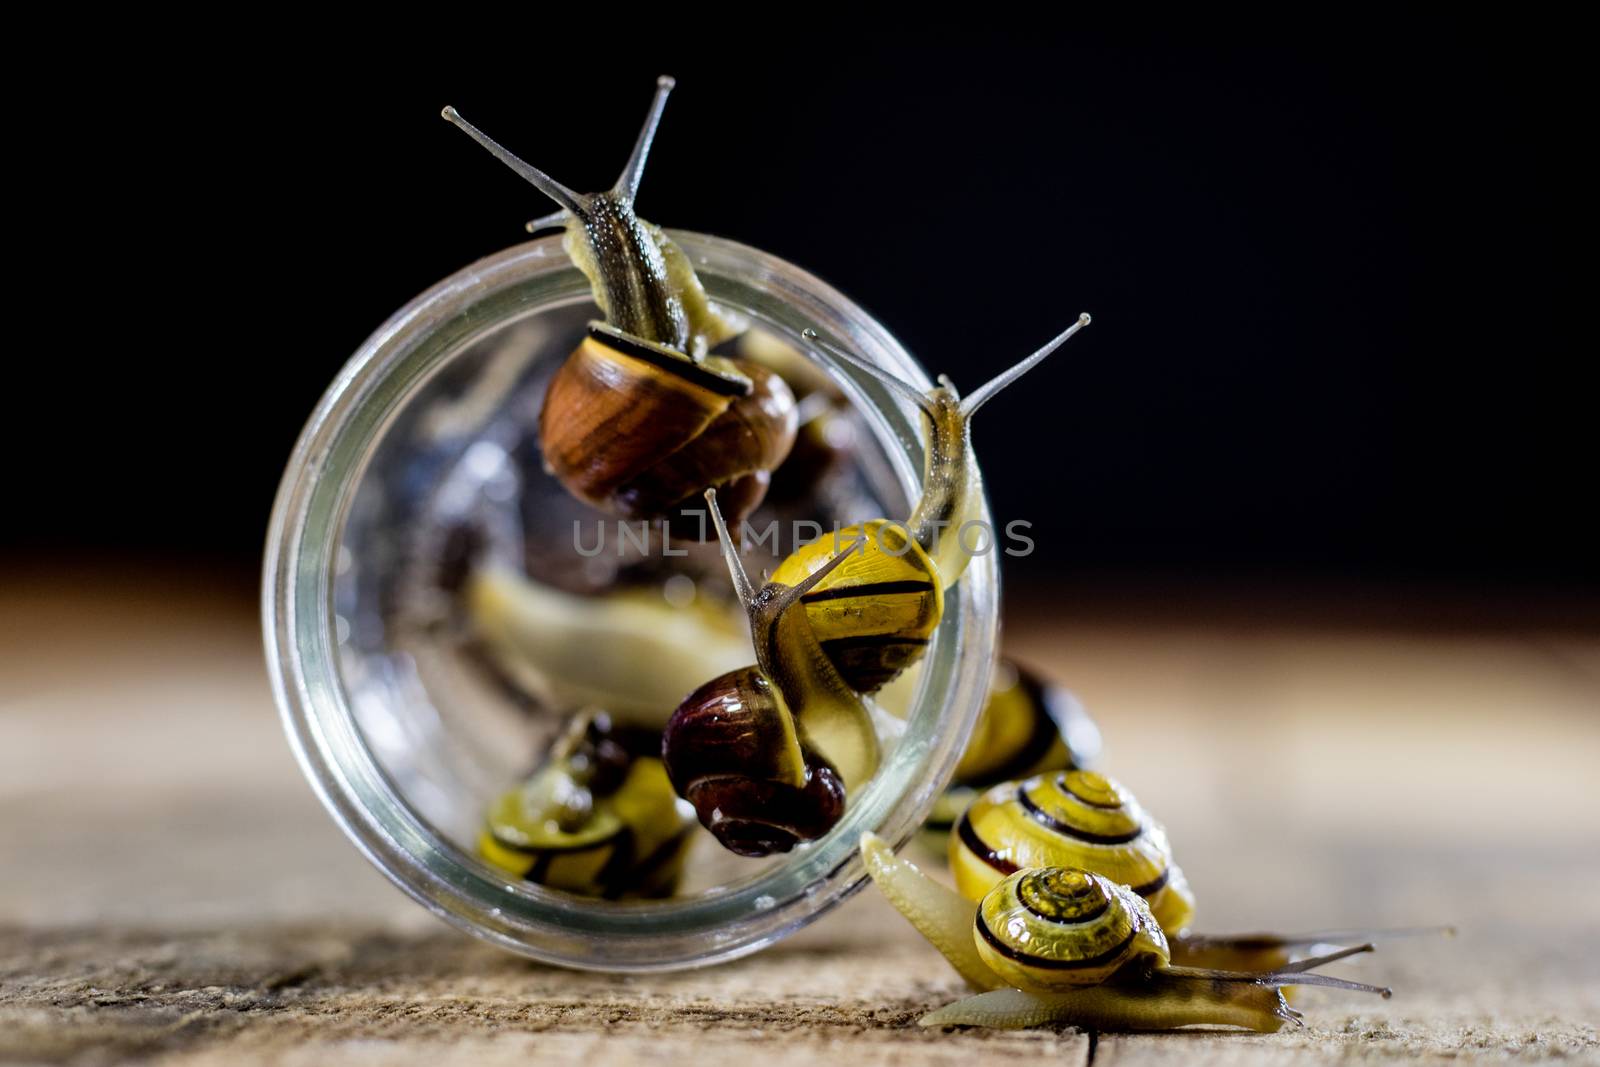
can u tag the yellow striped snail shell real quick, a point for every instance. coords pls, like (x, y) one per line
(875, 615)
(640, 420)
(1028, 726)
(593, 820)
(1052, 926)
(1069, 819)
(1053, 945)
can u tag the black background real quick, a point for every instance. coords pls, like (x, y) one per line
(1333, 268)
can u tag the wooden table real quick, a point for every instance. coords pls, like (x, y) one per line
(171, 891)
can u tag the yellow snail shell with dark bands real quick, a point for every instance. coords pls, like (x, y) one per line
(1069, 819)
(875, 615)
(630, 843)
(1028, 726)
(1043, 928)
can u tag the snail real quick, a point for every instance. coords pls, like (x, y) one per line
(598, 818)
(1028, 726)
(874, 618)
(766, 753)
(1066, 946)
(640, 420)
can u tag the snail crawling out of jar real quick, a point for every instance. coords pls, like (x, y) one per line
(640, 419)
(766, 754)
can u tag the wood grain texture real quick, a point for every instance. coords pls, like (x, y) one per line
(170, 892)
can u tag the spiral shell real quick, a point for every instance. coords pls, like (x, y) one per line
(874, 615)
(1069, 819)
(630, 843)
(723, 757)
(637, 430)
(1028, 727)
(1043, 929)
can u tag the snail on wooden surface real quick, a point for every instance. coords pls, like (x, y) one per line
(1060, 945)
(874, 617)
(640, 419)
(598, 818)
(1087, 820)
(766, 753)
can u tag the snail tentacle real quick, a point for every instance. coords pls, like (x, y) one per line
(1317, 961)
(986, 392)
(952, 494)
(628, 182)
(1273, 952)
(556, 220)
(906, 390)
(569, 200)
(1293, 974)
(742, 586)
(641, 282)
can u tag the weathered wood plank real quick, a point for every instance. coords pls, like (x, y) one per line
(170, 891)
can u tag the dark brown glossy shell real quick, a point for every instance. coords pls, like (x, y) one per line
(719, 751)
(637, 435)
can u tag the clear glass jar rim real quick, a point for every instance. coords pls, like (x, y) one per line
(304, 534)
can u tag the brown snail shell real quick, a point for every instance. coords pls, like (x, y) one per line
(637, 430)
(724, 756)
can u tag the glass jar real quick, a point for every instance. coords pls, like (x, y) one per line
(404, 749)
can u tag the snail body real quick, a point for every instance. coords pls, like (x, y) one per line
(766, 753)
(875, 616)
(640, 419)
(630, 652)
(1060, 945)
